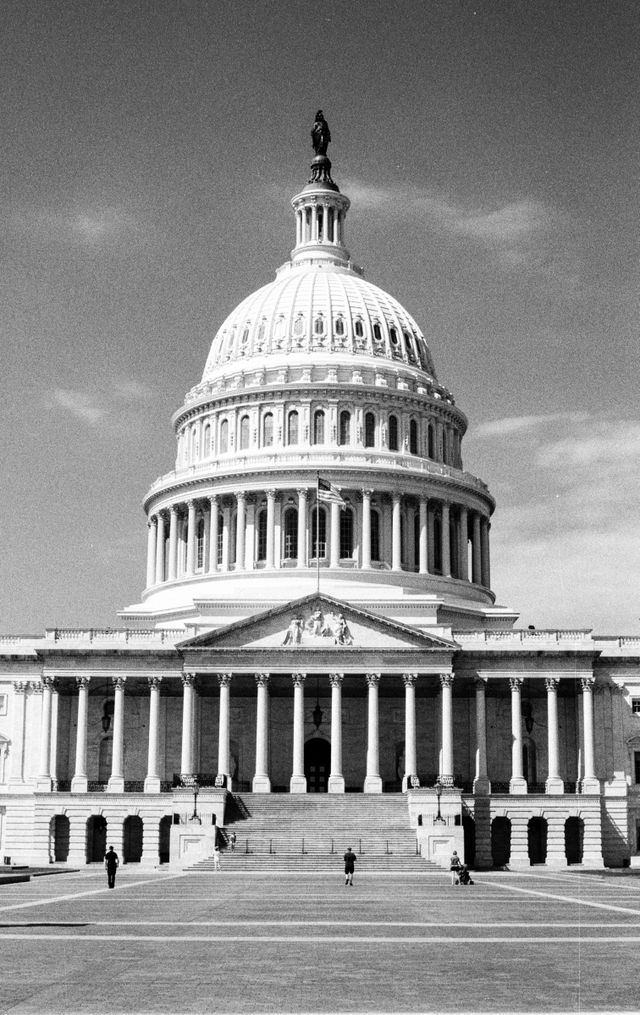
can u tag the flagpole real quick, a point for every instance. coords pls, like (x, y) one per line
(318, 533)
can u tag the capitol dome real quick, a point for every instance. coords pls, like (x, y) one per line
(319, 448)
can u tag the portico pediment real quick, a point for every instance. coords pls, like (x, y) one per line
(317, 622)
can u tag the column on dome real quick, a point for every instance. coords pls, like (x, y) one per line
(481, 784)
(554, 782)
(484, 553)
(187, 769)
(79, 783)
(173, 543)
(423, 548)
(373, 782)
(261, 780)
(366, 529)
(590, 783)
(476, 558)
(152, 528)
(410, 747)
(224, 728)
(213, 534)
(463, 554)
(116, 780)
(517, 782)
(271, 528)
(336, 778)
(446, 755)
(240, 526)
(302, 528)
(396, 533)
(43, 781)
(191, 537)
(298, 782)
(445, 545)
(152, 780)
(334, 548)
(160, 549)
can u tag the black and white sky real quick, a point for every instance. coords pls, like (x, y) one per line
(149, 154)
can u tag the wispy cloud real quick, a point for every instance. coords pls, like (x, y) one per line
(106, 405)
(80, 404)
(521, 424)
(64, 225)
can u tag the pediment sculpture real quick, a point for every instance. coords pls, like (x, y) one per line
(317, 627)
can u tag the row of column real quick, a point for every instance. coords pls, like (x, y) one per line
(468, 527)
(261, 781)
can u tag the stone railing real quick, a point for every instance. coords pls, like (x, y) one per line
(116, 635)
(521, 636)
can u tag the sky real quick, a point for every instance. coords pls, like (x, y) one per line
(149, 154)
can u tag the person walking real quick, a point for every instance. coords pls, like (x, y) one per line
(349, 866)
(216, 857)
(232, 842)
(111, 862)
(454, 867)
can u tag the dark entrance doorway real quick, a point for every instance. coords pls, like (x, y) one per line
(500, 841)
(573, 839)
(96, 838)
(60, 837)
(132, 839)
(317, 764)
(164, 846)
(537, 835)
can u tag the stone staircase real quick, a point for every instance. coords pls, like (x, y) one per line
(310, 832)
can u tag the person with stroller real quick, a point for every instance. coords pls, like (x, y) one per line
(464, 877)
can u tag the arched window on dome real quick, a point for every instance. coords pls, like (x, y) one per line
(375, 535)
(393, 433)
(393, 335)
(224, 436)
(298, 327)
(200, 545)
(413, 437)
(346, 534)
(377, 333)
(290, 534)
(358, 328)
(244, 433)
(318, 427)
(344, 432)
(408, 346)
(206, 441)
(339, 326)
(261, 334)
(292, 427)
(319, 534)
(431, 441)
(267, 430)
(220, 538)
(261, 535)
(318, 325)
(369, 430)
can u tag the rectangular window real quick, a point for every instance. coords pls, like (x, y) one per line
(4, 699)
(635, 705)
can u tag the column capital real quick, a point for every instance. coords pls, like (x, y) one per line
(409, 679)
(551, 683)
(335, 679)
(271, 494)
(298, 679)
(48, 683)
(366, 493)
(213, 498)
(36, 687)
(262, 679)
(21, 686)
(191, 504)
(240, 496)
(188, 679)
(302, 491)
(586, 683)
(154, 681)
(373, 679)
(224, 679)
(481, 681)
(446, 679)
(152, 522)
(515, 683)
(118, 681)
(83, 681)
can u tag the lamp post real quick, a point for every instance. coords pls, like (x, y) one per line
(196, 789)
(438, 820)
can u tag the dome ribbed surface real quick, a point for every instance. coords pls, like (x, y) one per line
(319, 310)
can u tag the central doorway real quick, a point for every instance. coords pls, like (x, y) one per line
(317, 764)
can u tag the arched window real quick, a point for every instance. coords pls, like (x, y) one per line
(200, 544)
(267, 430)
(344, 436)
(318, 325)
(339, 326)
(290, 534)
(431, 440)
(262, 535)
(318, 427)
(375, 536)
(292, 428)
(206, 441)
(298, 328)
(244, 433)
(393, 433)
(377, 333)
(413, 437)
(437, 544)
(359, 328)
(393, 335)
(346, 533)
(369, 430)
(224, 437)
(319, 534)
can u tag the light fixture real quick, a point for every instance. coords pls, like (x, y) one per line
(317, 713)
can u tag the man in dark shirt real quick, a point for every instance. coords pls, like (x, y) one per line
(349, 866)
(111, 862)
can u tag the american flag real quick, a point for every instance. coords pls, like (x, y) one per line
(329, 494)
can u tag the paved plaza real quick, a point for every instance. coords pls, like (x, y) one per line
(234, 942)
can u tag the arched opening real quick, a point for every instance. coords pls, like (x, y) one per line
(500, 841)
(105, 757)
(261, 535)
(369, 430)
(59, 831)
(529, 762)
(199, 545)
(393, 433)
(574, 839)
(164, 842)
(319, 534)
(469, 830)
(244, 433)
(290, 549)
(317, 764)
(344, 429)
(267, 430)
(224, 437)
(431, 442)
(96, 838)
(437, 544)
(346, 533)
(413, 437)
(318, 427)
(375, 536)
(132, 839)
(292, 427)
(537, 840)
(206, 441)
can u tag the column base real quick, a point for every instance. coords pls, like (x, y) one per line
(336, 784)
(44, 784)
(554, 785)
(590, 785)
(517, 785)
(79, 784)
(116, 784)
(298, 784)
(152, 784)
(261, 784)
(482, 786)
(373, 784)
(592, 859)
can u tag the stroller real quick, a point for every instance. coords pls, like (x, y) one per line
(464, 878)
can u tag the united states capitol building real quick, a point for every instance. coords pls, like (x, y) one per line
(317, 619)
